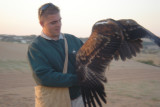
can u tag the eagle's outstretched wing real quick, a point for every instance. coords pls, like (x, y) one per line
(132, 43)
(109, 39)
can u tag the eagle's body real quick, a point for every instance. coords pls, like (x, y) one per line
(109, 40)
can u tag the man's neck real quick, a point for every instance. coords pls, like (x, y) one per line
(53, 37)
(50, 37)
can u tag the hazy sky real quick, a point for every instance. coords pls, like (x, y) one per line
(19, 17)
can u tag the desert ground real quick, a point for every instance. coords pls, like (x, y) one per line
(130, 83)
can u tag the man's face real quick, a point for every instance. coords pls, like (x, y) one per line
(52, 25)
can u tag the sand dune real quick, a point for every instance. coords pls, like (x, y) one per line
(129, 84)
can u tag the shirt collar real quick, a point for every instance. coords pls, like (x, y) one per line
(49, 38)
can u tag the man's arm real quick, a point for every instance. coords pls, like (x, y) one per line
(45, 74)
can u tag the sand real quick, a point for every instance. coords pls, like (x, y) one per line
(130, 83)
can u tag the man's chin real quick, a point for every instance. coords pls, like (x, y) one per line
(57, 33)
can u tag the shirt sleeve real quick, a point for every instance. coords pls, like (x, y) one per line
(43, 72)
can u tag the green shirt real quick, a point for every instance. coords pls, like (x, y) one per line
(46, 58)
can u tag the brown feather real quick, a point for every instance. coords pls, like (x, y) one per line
(109, 39)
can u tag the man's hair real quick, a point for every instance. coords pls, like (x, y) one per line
(47, 9)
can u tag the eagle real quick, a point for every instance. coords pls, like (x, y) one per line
(110, 39)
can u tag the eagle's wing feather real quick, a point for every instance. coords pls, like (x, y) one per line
(128, 49)
(92, 59)
(132, 43)
(133, 30)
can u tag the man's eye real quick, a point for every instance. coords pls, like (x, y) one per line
(53, 23)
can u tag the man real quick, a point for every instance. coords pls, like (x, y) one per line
(46, 54)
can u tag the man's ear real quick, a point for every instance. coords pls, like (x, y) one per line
(41, 23)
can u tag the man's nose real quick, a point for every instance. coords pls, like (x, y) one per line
(58, 23)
